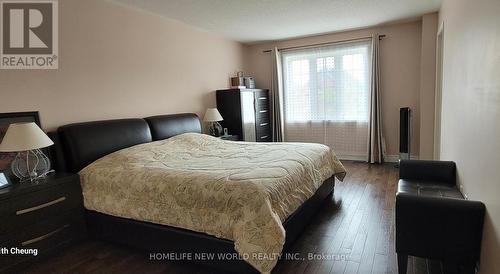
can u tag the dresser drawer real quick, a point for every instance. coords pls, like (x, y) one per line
(50, 226)
(261, 93)
(262, 118)
(263, 126)
(35, 206)
(46, 237)
(261, 103)
(264, 138)
(262, 114)
(263, 134)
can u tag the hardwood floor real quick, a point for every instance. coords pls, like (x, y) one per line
(354, 232)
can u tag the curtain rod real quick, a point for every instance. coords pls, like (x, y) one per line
(326, 43)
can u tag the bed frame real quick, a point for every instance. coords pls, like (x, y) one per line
(78, 145)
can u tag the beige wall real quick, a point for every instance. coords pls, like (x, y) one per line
(427, 85)
(400, 71)
(117, 62)
(470, 127)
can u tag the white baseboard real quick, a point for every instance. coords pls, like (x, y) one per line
(361, 158)
(395, 158)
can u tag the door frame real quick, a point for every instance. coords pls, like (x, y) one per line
(438, 91)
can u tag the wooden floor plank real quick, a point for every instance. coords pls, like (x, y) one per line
(380, 262)
(351, 268)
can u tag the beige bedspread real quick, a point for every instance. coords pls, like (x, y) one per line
(234, 190)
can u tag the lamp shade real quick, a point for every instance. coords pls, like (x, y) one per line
(212, 115)
(24, 136)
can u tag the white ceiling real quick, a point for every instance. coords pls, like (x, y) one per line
(252, 21)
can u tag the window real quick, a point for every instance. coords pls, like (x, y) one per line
(326, 94)
(327, 83)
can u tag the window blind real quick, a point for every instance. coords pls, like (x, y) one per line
(326, 96)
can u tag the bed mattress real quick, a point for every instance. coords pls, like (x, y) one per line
(239, 191)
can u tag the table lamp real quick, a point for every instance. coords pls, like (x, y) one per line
(27, 139)
(212, 116)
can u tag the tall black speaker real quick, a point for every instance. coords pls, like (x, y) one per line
(404, 132)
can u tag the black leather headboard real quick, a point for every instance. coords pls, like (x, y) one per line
(166, 126)
(84, 143)
(78, 145)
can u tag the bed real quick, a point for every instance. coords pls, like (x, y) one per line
(176, 190)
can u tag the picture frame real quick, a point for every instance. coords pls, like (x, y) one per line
(4, 180)
(5, 120)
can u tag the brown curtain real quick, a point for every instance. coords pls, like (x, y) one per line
(276, 94)
(375, 136)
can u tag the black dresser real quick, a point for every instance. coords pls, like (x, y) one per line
(45, 216)
(246, 113)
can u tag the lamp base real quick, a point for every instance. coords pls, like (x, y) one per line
(215, 129)
(30, 165)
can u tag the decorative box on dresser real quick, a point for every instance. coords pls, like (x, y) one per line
(45, 216)
(246, 113)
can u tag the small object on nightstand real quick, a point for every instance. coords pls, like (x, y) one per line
(238, 81)
(27, 139)
(212, 116)
(42, 217)
(249, 82)
(230, 137)
(4, 180)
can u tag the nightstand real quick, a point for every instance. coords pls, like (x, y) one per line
(230, 137)
(45, 216)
